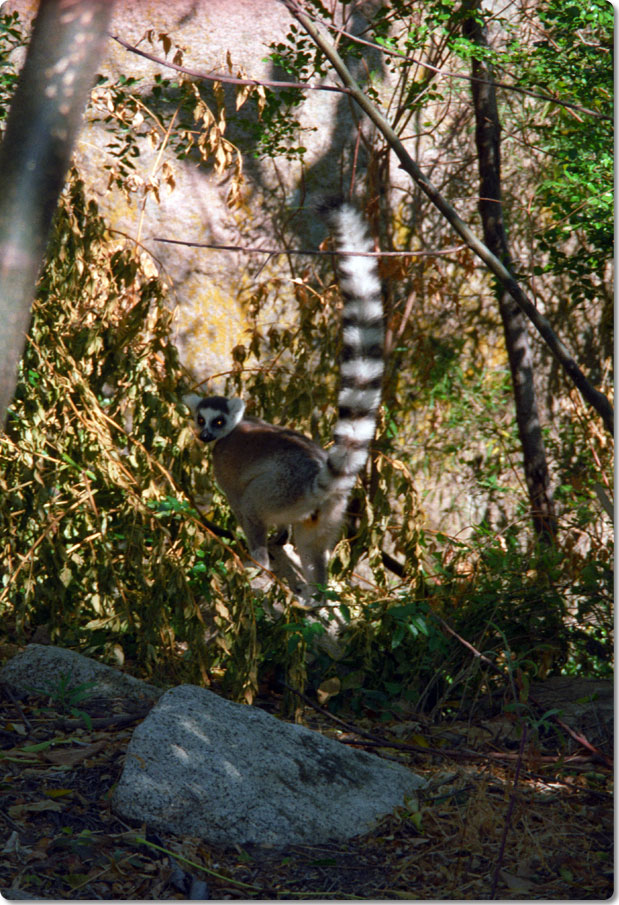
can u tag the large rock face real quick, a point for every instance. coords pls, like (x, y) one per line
(205, 284)
(203, 766)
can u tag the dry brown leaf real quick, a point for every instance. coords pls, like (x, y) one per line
(328, 689)
(33, 807)
(73, 756)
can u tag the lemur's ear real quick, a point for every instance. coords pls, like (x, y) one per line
(236, 407)
(192, 400)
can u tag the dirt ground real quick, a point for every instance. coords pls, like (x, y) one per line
(499, 819)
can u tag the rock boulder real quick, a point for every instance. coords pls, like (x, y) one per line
(204, 766)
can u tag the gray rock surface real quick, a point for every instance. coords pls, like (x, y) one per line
(40, 668)
(204, 766)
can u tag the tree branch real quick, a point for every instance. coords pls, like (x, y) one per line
(248, 250)
(589, 393)
(227, 79)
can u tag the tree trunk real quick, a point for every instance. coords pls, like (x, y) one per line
(43, 122)
(488, 139)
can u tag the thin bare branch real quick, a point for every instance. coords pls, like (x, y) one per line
(310, 251)
(227, 79)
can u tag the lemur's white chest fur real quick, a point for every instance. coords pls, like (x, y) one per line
(273, 476)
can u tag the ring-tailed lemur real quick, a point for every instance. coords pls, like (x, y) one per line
(273, 476)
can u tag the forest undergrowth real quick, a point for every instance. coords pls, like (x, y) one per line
(115, 542)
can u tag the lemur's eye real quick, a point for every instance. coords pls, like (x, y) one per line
(201, 421)
(218, 422)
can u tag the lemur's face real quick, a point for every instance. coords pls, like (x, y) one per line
(217, 416)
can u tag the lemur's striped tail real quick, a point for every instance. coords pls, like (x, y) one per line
(361, 363)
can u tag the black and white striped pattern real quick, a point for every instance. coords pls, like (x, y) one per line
(361, 364)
